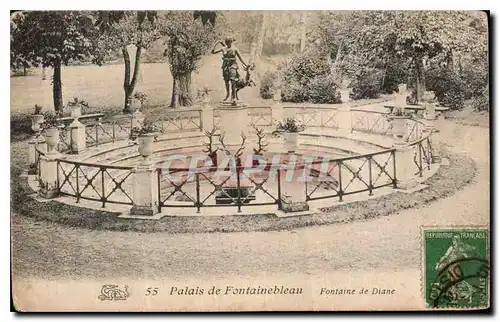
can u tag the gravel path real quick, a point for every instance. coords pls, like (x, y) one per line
(391, 243)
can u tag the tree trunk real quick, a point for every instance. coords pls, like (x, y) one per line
(174, 102)
(129, 84)
(181, 90)
(335, 70)
(420, 84)
(259, 43)
(57, 88)
(303, 34)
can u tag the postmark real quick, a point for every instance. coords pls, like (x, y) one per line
(456, 268)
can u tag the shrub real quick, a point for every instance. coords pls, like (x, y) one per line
(20, 125)
(302, 67)
(290, 125)
(50, 120)
(267, 86)
(322, 89)
(449, 86)
(482, 101)
(306, 78)
(367, 83)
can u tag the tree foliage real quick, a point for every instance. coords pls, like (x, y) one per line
(120, 29)
(53, 38)
(45, 38)
(412, 40)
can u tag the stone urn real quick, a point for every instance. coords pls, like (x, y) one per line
(136, 105)
(36, 123)
(51, 138)
(402, 88)
(291, 141)
(344, 95)
(76, 111)
(145, 142)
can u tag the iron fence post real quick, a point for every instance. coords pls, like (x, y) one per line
(238, 188)
(77, 167)
(394, 180)
(158, 176)
(370, 179)
(341, 192)
(197, 175)
(420, 167)
(279, 189)
(97, 133)
(103, 196)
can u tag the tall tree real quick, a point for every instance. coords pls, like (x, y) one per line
(187, 40)
(121, 29)
(53, 38)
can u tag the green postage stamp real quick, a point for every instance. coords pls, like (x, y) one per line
(456, 268)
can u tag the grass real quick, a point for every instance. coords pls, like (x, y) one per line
(469, 116)
(446, 181)
(102, 86)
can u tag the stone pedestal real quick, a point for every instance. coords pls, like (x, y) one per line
(234, 122)
(137, 119)
(289, 113)
(344, 114)
(405, 167)
(207, 118)
(145, 191)
(34, 144)
(78, 137)
(277, 113)
(48, 175)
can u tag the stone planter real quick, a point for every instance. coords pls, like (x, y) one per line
(291, 141)
(145, 142)
(51, 138)
(36, 122)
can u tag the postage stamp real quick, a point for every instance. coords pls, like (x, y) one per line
(456, 267)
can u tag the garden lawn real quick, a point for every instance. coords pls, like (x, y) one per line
(102, 86)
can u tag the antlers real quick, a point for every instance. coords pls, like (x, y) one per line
(262, 144)
(238, 152)
(209, 146)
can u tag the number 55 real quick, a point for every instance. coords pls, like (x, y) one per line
(152, 291)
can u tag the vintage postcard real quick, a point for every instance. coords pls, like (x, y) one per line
(186, 161)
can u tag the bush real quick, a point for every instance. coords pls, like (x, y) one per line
(482, 101)
(20, 125)
(367, 83)
(322, 89)
(267, 86)
(306, 78)
(449, 86)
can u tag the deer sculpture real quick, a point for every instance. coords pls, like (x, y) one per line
(245, 82)
(236, 155)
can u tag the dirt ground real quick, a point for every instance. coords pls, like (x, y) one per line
(49, 251)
